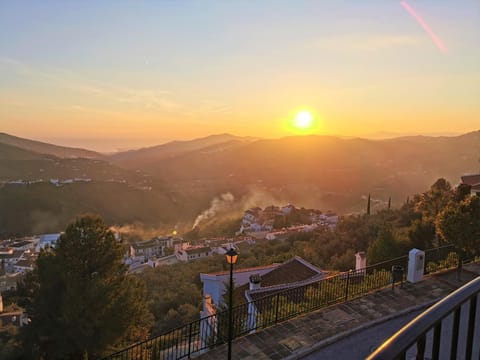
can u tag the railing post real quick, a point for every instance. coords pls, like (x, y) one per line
(348, 282)
(421, 344)
(459, 265)
(189, 339)
(276, 308)
(471, 327)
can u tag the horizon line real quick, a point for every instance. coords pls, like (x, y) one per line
(149, 143)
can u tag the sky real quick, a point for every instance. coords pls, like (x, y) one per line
(113, 75)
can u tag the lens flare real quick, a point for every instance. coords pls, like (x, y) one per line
(438, 42)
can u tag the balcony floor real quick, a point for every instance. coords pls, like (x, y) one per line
(302, 335)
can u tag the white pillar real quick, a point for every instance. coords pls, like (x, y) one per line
(416, 264)
(360, 260)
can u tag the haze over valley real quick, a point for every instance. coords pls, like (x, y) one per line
(167, 186)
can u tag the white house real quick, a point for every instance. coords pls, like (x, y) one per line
(24, 265)
(151, 248)
(9, 257)
(214, 283)
(252, 284)
(49, 240)
(474, 181)
(194, 253)
(9, 281)
(287, 209)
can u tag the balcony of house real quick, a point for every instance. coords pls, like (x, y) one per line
(300, 321)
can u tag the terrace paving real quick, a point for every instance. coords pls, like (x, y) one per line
(297, 337)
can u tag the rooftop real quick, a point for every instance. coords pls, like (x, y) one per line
(26, 263)
(198, 250)
(293, 271)
(12, 255)
(47, 238)
(226, 272)
(473, 179)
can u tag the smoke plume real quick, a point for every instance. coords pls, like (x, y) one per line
(224, 203)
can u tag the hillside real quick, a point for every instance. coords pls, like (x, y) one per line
(147, 156)
(13, 153)
(321, 171)
(44, 148)
(22, 164)
(43, 207)
(174, 183)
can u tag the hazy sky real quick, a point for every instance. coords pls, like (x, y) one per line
(110, 75)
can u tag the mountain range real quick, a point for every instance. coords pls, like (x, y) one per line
(174, 182)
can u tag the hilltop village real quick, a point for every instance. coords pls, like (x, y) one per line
(18, 256)
(257, 224)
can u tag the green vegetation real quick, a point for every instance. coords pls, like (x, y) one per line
(383, 247)
(459, 223)
(79, 298)
(217, 227)
(294, 217)
(42, 208)
(174, 293)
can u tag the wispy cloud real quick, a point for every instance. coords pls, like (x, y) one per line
(208, 107)
(68, 80)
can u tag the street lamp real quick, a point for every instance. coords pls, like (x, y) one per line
(232, 257)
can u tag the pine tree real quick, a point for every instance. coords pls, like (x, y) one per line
(79, 298)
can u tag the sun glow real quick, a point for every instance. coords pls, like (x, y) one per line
(303, 120)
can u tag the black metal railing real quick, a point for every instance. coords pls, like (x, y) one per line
(441, 258)
(277, 306)
(447, 329)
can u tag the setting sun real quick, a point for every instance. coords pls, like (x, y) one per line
(303, 120)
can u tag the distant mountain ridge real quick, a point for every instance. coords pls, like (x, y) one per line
(319, 171)
(45, 148)
(174, 148)
(179, 180)
(10, 152)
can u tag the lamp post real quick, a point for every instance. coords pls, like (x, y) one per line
(232, 257)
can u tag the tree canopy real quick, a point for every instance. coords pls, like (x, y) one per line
(79, 297)
(384, 247)
(459, 224)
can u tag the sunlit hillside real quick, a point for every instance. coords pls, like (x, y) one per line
(171, 184)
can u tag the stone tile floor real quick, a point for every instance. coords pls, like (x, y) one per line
(292, 338)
